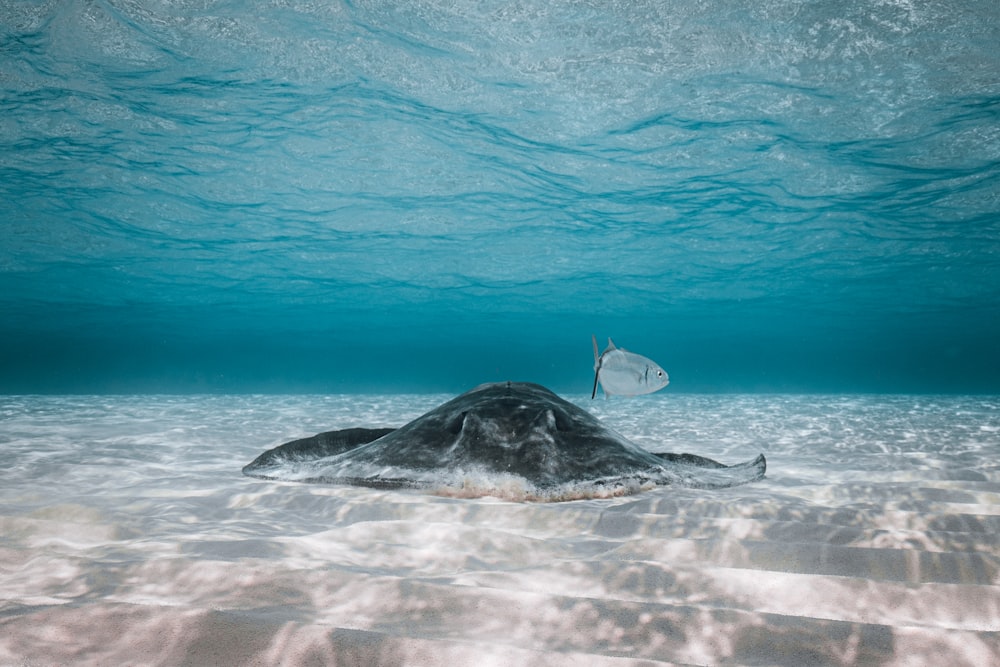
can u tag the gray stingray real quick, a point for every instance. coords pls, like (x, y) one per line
(508, 439)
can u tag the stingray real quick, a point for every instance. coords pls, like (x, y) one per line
(509, 439)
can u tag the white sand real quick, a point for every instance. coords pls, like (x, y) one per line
(127, 536)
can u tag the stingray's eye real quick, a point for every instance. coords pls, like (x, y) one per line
(456, 424)
(546, 421)
(563, 423)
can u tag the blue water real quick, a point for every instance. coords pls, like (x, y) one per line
(422, 196)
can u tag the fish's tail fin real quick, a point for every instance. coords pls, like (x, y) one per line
(597, 366)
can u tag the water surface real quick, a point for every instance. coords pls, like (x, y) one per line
(290, 196)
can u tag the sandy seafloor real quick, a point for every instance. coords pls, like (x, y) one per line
(129, 536)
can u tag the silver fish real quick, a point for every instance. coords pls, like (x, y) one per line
(626, 373)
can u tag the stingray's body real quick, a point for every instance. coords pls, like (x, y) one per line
(512, 439)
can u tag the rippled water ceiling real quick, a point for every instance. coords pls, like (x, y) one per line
(350, 196)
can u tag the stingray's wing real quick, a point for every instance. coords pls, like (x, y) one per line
(318, 446)
(690, 459)
(705, 473)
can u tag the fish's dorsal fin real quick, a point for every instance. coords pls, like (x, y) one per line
(612, 346)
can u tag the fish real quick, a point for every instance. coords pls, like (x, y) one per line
(514, 440)
(626, 373)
